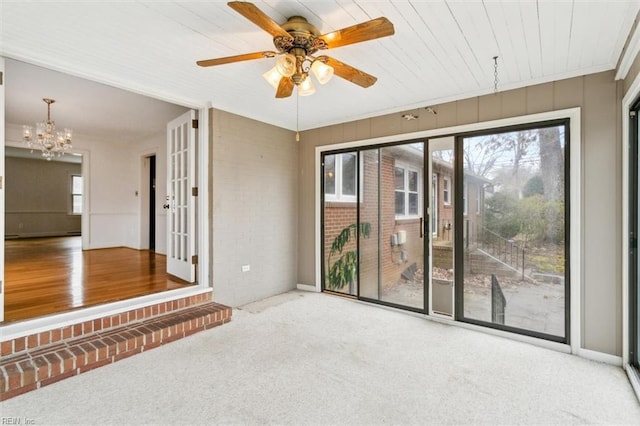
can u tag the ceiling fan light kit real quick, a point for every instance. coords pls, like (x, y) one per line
(296, 41)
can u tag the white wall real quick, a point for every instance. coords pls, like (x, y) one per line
(254, 209)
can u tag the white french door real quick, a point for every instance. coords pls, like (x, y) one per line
(181, 197)
(2, 142)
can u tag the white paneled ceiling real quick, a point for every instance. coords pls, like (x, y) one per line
(441, 51)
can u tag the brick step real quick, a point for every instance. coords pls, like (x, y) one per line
(42, 365)
(30, 342)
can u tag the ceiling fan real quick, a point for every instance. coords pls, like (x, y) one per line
(296, 42)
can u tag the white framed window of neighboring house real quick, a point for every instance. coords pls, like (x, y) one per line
(407, 191)
(76, 195)
(340, 177)
(465, 198)
(446, 190)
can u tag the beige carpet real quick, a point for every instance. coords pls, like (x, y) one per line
(306, 358)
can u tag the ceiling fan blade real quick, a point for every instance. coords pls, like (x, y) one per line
(285, 88)
(236, 58)
(255, 15)
(376, 28)
(348, 72)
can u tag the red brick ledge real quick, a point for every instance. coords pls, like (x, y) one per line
(56, 335)
(41, 366)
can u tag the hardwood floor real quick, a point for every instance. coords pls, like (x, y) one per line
(44, 276)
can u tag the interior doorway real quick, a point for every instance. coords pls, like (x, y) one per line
(152, 202)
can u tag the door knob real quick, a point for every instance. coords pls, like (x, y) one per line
(165, 206)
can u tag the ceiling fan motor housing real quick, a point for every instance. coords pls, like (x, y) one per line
(303, 36)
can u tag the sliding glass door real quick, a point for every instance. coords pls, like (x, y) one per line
(513, 216)
(374, 230)
(392, 205)
(473, 227)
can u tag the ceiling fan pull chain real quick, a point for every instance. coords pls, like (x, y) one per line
(297, 116)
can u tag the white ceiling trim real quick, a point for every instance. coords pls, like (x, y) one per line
(630, 53)
(134, 87)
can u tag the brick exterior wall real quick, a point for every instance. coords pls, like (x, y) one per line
(394, 259)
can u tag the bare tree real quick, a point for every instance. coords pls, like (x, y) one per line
(486, 154)
(551, 163)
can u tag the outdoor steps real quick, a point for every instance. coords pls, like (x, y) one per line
(477, 262)
(31, 362)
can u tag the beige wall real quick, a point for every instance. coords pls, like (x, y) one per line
(255, 208)
(599, 96)
(38, 199)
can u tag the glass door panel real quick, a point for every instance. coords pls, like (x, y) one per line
(514, 238)
(441, 208)
(371, 237)
(373, 224)
(401, 224)
(340, 219)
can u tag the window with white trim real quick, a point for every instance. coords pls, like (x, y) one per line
(446, 190)
(407, 191)
(340, 176)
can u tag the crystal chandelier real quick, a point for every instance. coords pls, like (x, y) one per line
(48, 140)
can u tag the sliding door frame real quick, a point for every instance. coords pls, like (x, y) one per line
(459, 235)
(574, 338)
(631, 236)
(358, 151)
(630, 101)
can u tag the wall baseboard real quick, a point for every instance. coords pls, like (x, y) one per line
(600, 357)
(307, 287)
(42, 235)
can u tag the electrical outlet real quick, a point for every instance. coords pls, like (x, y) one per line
(246, 268)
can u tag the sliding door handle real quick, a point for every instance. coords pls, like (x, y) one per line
(421, 227)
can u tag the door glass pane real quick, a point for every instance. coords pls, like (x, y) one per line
(515, 244)
(370, 235)
(441, 246)
(400, 221)
(340, 229)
